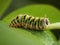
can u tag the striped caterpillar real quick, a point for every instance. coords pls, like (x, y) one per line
(29, 22)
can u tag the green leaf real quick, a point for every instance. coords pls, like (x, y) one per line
(4, 5)
(13, 36)
(29, 37)
(57, 43)
(38, 11)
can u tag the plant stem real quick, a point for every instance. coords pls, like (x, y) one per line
(53, 26)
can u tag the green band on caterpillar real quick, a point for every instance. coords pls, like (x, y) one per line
(29, 22)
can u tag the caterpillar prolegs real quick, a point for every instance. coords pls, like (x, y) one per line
(29, 22)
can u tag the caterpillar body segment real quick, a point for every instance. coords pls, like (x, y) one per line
(29, 22)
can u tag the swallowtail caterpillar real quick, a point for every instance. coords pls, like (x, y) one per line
(33, 23)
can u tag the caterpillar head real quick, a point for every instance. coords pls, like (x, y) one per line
(44, 22)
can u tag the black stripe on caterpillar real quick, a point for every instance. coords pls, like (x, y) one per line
(29, 22)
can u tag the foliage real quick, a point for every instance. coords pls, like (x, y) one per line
(15, 36)
(4, 4)
(57, 43)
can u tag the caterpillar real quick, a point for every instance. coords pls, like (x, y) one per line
(29, 22)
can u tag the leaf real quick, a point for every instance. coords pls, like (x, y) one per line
(57, 43)
(35, 37)
(41, 10)
(13, 36)
(4, 5)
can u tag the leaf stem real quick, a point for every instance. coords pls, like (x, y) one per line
(53, 26)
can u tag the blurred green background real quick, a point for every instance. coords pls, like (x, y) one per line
(15, 4)
(14, 7)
